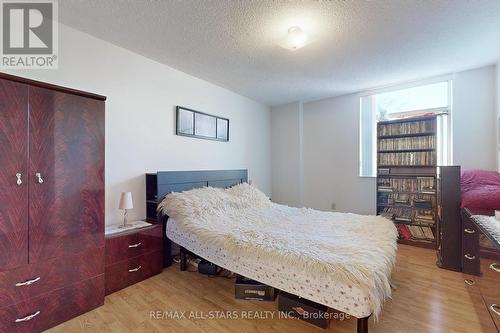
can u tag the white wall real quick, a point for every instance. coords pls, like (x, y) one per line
(331, 157)
(331, 143)
(286, 138)
(140, 128)
(474, 115)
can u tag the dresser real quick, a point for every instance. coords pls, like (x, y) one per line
(51, 204)
(481, 268)
(133, 256)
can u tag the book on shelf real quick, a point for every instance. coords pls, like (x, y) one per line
(427, 232)
(398, 213)
(425, 185)
(417, 200)
(384, 171)
(416, 232)
(429, 223)
(411, 143)
(401, 128)
(422, 203)
(421, 158)
(404, 233)
(426, 215)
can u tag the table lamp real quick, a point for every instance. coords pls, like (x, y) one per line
(125, 204)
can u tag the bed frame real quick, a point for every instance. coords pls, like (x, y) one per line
(177, 181)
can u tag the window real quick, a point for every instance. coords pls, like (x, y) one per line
(432, 98)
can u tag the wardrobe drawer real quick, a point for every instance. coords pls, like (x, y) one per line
(40, 313)
(134, 243)
(33, 280)
(130, 271)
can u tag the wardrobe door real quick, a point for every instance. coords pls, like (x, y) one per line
(66, 166)
(13, 181)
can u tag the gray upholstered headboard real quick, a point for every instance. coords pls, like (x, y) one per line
(177, 181)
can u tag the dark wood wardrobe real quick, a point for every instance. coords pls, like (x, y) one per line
(51, 204)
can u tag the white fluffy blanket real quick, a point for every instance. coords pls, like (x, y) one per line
(354, 249)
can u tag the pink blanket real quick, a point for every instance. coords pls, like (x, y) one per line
(480, 190)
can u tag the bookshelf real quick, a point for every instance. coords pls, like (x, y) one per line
(407, 178)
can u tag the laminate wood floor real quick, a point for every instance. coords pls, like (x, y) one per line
(425, 299)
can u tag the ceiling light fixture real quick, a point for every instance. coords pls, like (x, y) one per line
(295, 39)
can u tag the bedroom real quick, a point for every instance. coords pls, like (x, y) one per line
(294, 98)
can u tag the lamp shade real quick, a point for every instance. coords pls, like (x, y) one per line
(126, 201)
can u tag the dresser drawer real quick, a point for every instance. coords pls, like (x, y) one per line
(134, 243)
(133, 270)
(35, 279)
(470, 262)
(50, 309)
(493, 305)
(489, 283)
(470, 248)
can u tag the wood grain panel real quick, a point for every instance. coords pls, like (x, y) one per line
(130, 271)
(51, 274)
(35, 83)
(55, 307)
(13, 159)
(66, 211)
(132, 244)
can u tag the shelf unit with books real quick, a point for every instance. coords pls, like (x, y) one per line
(407, 178)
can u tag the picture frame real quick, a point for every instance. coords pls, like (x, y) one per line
(201, 125)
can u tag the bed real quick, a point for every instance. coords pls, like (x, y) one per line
(480, 197)
(343, 261)
(480, 191)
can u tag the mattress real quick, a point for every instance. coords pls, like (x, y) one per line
(480, 190)
(319, 288)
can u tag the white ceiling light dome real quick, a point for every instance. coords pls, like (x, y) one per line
(296, 38)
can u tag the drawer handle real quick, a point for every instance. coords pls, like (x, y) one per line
(27, 318)
(135, 245)
(134, 269)
(27, 283)
(470, 257)
(495, 308)
(469, 231)
(469, 282)
(496, 267)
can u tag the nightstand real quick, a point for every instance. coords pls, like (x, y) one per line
(132, 256)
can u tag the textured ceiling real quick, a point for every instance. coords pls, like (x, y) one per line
(357, 44)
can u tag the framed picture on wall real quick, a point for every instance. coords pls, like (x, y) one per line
(185, 122)
(222, 129)
(201, 125)
(205, 125)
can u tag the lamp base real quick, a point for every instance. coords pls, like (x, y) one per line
(125, 221)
